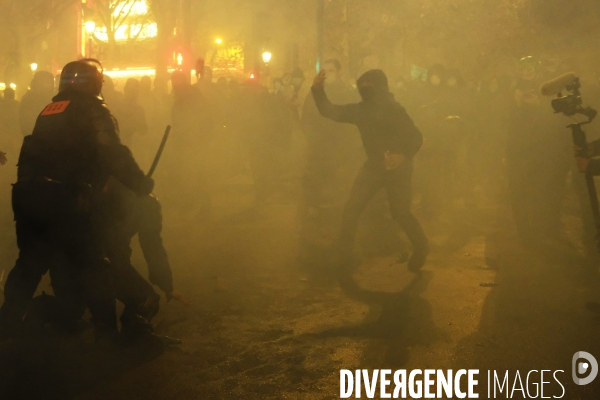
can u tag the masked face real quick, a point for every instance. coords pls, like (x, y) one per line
(373, 85)
(367, 92)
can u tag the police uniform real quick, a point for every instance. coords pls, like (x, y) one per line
(63, 168)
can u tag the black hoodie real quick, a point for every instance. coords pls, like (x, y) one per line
(383, 123)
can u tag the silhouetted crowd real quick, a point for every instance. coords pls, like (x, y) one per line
(485, 141)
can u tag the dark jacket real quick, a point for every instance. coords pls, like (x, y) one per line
(384, 125)
(76, 142)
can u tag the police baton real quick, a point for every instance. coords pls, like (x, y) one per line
(160, 151)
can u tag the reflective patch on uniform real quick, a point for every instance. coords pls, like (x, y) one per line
(56, 108)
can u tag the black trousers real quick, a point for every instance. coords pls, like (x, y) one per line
(397, 183)
(145, 220)
(55, 234)
(136, 294)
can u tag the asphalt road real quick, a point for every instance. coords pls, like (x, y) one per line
(268, 324)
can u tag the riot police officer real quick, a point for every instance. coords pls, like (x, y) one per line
(63, 167)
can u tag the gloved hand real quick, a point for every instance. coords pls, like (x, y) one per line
(146, 186)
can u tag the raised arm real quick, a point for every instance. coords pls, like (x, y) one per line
(339, 113)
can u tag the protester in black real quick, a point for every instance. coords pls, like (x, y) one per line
(391, 140)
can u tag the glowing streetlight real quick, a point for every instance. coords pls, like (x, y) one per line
(90, 27)
(219, 41)
(179, 59)
(33, 67)
(266, 56)
(13, 86)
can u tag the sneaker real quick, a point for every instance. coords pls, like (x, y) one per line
(169, 341)
(138, 335)
(417, 261)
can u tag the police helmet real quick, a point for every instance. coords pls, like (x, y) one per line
(84, 75)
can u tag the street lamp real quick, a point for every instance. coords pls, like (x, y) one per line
(90, 28)
(33, 67)
(219, 41)
(266, 56)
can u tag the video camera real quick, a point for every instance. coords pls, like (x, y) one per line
(571, 104)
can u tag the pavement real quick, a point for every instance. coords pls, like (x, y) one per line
(267, 322)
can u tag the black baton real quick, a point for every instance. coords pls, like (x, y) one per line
(160, 151)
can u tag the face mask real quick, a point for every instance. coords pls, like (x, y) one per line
(367, 93)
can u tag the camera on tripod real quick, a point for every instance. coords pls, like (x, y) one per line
(571, 104)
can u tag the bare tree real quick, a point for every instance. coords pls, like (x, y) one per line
(122, 20)
(24, 27)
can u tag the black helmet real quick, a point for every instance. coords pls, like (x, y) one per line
(84, 75)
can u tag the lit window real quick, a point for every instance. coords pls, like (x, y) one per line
(129, 8)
